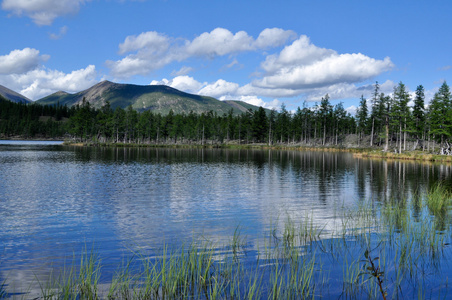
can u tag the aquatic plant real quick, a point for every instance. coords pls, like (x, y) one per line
(374, 271)
(377, 250)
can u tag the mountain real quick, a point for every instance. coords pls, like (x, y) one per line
(158, 98)
(242, 106)
(12, 95)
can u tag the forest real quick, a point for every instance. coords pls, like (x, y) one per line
(394, 122)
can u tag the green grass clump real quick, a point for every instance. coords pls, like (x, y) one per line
(439, 200)
(377, 250)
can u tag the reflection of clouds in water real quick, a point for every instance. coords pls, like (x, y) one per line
(54, 203)
(213, 198)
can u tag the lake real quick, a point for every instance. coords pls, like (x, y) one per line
(57, 201)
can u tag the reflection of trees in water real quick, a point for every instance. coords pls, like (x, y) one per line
(381, 180)
(397, 179)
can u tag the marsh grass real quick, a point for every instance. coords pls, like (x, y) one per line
(407, 155)
(3, 292)
(393, 249)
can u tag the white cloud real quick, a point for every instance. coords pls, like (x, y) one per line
(303, 65)
(256, 101)
(299, 69)
(182, 71)
(250, 89)
(42, 12)
(233, 63)
(21, 61)
(183, 83)
(220, 42)
(139, 64)
(351, 110)
(300, 52)
(273, 37)
(151, 50)
(60, 34)
(347, 90)
(219, 88)
(152, 41)
(39, 83)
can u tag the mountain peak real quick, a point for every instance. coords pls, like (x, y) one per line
(13, 96)
(157, 98)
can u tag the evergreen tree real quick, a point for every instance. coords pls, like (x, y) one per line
(325, 113)
(339, 114)
(439, 114)
(362, 116)
(418, 123)
(260, 125)
(401, 112)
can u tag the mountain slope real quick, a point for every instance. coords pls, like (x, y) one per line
(158, 98)
(13, 96)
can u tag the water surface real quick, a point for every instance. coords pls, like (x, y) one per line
(57, 200)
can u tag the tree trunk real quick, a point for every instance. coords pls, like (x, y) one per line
(404, 137)
(372, 133)
(387, 134)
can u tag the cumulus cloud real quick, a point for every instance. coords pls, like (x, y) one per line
(23, 72)
(298, 69)
(303, 65)
(347, 90)
(219, 42)
(183, 83)
(219, 88)
(20, 61)
(42, 12)
(273, 37)
(351, 110)
(39, 83)
(256, 101)
(152, 41)
(151, 50)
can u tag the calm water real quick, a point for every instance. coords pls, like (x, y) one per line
(56, 200)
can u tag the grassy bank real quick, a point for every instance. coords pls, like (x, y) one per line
(397, 249)
(408, 155)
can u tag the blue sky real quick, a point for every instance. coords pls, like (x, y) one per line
(263, 52)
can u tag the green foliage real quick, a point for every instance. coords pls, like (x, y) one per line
(440, 113)
(362, 115)
(418, 121)
(391, 122)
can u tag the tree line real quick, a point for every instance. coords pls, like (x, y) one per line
(392, 123)
(85, 123)
(395, 122)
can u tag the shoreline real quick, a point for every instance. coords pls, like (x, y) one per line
(369, 153)
(358, 152)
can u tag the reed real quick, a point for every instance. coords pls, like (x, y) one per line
(377, 250)
(3, 292)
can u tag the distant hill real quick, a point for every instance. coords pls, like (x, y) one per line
(158, 98)
(243, 106)
(11, 95)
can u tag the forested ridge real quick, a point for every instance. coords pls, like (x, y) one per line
(388, 122)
